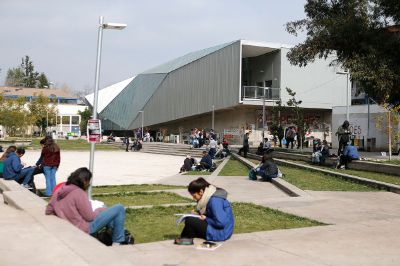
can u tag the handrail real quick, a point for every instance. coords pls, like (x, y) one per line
(256, 92)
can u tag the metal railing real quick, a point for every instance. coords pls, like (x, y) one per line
(255, 92)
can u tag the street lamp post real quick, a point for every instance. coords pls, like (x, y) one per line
(102, 25)
(347, 92)
(142, 123)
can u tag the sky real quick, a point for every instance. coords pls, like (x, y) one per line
(61, 36)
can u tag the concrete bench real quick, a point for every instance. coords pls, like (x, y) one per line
(286, 187)
(83, 245)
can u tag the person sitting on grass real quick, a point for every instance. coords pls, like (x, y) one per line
(267, 169)
(216, 222)
(70, 202)
(15, 170)
(205, 162)
(187, 164)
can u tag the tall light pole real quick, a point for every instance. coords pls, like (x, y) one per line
(102, 25)
(212, 119)
(347, 92)
(142, 122)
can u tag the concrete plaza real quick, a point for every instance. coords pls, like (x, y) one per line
(362, 226)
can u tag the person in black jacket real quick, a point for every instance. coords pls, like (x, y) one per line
(205, 162)
(267, 169)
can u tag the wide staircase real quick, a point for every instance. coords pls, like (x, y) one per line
(171, 149)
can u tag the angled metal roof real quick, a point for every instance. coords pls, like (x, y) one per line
(184, 60)
(108, 94)
(124, 108)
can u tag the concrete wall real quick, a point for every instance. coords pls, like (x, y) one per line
(359, 123)
(317, 84)
(194, 88)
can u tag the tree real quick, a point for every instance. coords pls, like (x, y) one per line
(298, 112)
(364, 34)
(41, 112)
(276, 127)
(392, 128)
(15, 77)
(85, 116)
(42, 81)
(30, 74)
(13, 116)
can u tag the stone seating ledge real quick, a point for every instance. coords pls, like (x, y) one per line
(286, 187)
(80, 243)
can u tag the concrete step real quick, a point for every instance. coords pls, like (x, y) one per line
(171, 149)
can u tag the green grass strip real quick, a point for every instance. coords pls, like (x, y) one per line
(158, 223)
(312, 180)
(133, 188)
(142, 198)
(75, 145)
(234, 168)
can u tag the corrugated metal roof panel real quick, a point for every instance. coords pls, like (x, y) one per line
(184, 60)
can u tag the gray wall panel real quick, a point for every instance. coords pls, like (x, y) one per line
(194, 88)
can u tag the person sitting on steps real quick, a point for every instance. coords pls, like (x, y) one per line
(14, 169)
(70, 202)
(216, 222)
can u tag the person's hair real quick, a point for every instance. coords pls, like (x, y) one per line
(79, 177)
(204, 152)
(51, 145)
(267, 156)
(9, 150)
(346, 124)
(324, 142)
(20, 150)
(196, 185)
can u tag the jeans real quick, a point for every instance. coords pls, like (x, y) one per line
(114, 218)
(50, 175)
(25, 175)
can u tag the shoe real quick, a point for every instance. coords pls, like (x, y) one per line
(183, 241)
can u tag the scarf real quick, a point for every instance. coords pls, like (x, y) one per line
(202, 203)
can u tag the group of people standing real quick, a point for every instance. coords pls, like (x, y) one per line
(48, 163)
(199, 137)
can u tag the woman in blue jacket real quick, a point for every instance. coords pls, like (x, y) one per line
(216, 219)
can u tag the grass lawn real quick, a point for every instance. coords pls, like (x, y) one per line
(74, 145)
(142, 198)
(198, 173)
(311, 180)
(391, 179)
(133, 188)
(234, 168)
(158, 223)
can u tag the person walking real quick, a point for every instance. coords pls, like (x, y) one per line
(51, 162)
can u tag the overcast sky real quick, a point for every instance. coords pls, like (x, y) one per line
(61, 36)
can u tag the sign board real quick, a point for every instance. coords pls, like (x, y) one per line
(94, 130)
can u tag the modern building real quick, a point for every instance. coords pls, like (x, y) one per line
(67, 107)
(224, 87)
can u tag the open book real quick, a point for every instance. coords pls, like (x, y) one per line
(208, 245)
(182, 216)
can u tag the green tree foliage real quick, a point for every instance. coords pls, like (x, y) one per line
(364, 34)
(13, 116)
(85, 116)
(25, 75)
(15, 77)
(276, 127)
(42, 112)
(298, 112)
(42, 81)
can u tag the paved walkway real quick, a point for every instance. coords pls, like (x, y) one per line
(363, 226)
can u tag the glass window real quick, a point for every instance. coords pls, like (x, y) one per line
(65, 120)
(75, 120)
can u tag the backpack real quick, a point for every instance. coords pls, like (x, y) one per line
(213, 167)
(290, 133)
(252, 175)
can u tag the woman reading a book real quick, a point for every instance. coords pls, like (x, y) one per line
(215, 221)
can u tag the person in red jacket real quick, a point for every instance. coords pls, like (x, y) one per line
(51, 162)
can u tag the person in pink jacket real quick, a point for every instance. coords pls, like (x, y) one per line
(70, 202)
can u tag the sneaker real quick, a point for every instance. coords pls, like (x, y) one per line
(183, 241)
